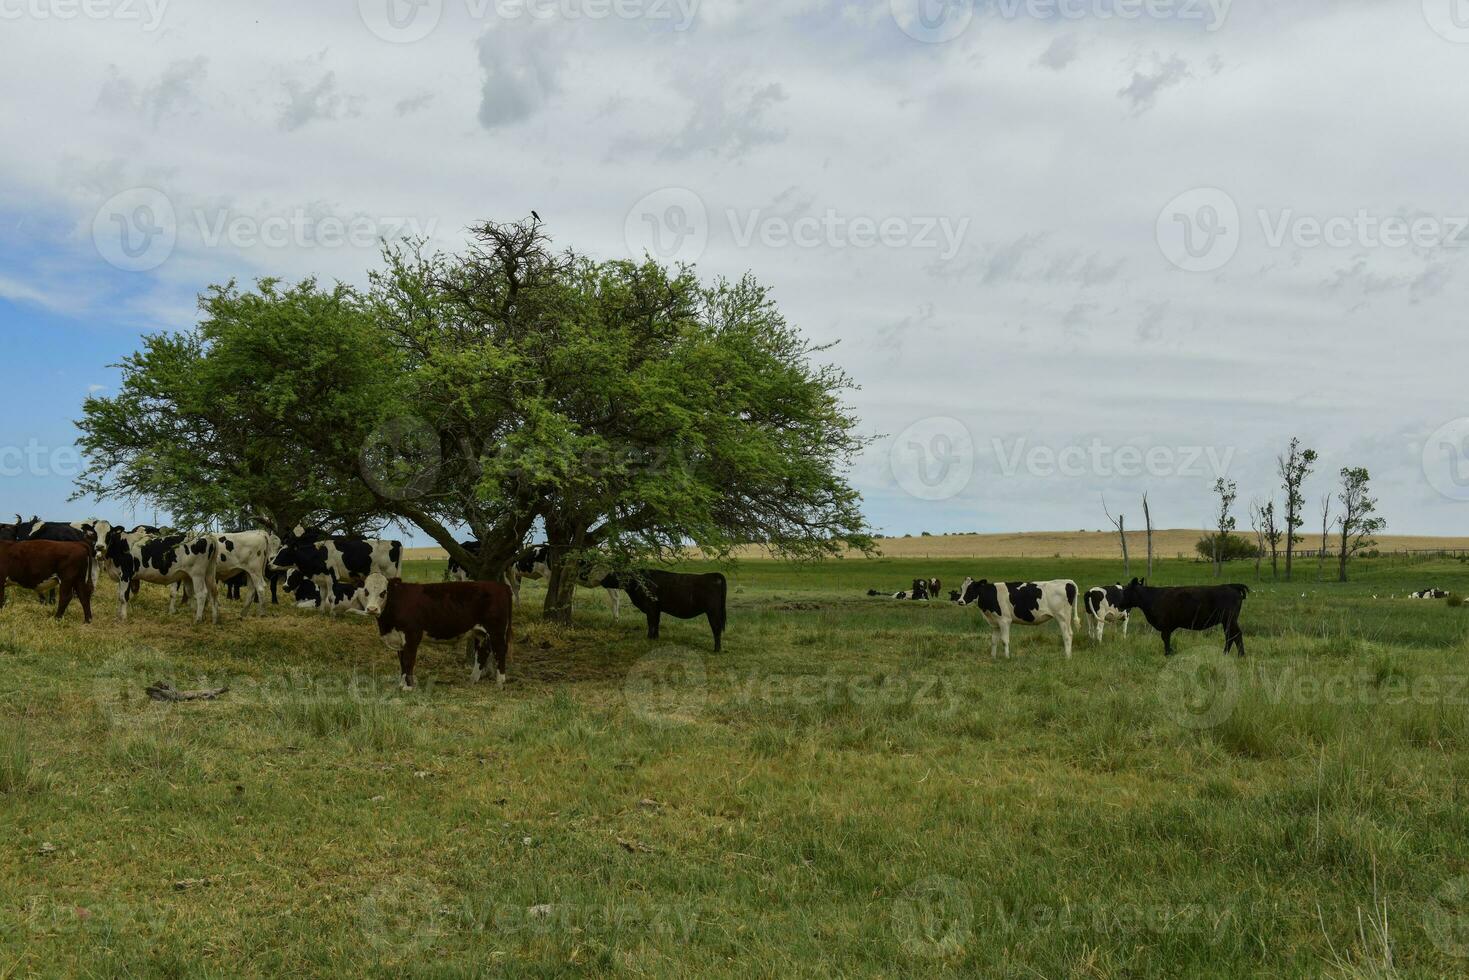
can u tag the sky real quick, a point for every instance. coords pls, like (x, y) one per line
(1071, 250)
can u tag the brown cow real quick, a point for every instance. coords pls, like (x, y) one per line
(40, 564)
(443, 611)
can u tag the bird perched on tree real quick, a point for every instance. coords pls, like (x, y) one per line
(534, 215)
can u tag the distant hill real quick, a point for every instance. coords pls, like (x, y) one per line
(1167, 543)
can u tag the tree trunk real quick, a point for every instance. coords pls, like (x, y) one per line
(1122, 533)
(1341, 559)
(566, 547)
(1148, 521)
(560, 593)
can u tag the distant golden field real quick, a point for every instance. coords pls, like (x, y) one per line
(1169, 543)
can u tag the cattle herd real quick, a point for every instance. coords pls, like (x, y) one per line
(365, 576)
(329, 572)
(1168, 610)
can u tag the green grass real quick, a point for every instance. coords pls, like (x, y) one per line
(853, 787)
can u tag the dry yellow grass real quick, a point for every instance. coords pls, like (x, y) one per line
(1167, 543)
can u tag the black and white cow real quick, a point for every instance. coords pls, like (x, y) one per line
(352, 598)
(131, 557)
(243, 567)
(1103, 605)
(457, 572)
(536, 564)
(920, 591)
(246, 555)
(1429, 594)
(341, 560)
(1030, 603)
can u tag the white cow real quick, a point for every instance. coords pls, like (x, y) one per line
(1031, 603)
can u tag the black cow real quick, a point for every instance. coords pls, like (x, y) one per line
(683, 596)
(1189, 607)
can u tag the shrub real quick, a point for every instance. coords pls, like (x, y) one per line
(1232, 547)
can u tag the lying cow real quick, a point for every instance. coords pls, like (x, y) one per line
(920, 591)
(341, 559)
(131, 557)
(1189, 607)
(1103, 605)
(683, 596)
(443, 611)
(1030, 603)
(43, 565)
(352, 598)
(1429, 594)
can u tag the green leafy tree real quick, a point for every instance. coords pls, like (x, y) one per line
(1294, 467)
(1224, 522)
(208, 424)
(628, 407)
(1359, 519)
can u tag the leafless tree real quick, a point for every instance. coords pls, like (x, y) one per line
(1120, 523)
(1148, 520)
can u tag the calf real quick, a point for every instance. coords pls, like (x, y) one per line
(1429, 594)
(443, 611)
(341, 559)
(1030, 603)
(1103, 605)
(1189, 607)
(683, 596)
(163, 560)
(41, 565)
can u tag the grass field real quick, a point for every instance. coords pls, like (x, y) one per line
(852, 788)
